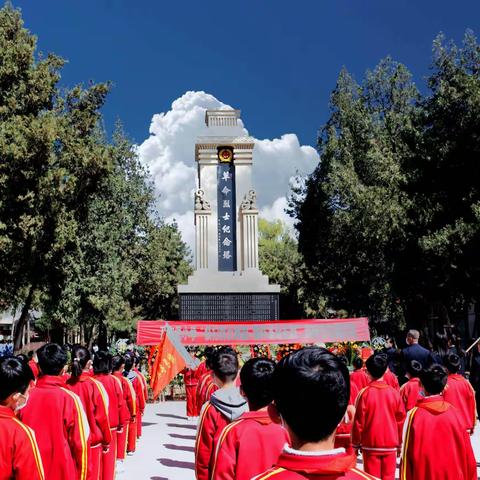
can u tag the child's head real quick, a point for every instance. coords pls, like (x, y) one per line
(118, 362)
(434, 379)
(311, 388)
(128, 362)
(81, 360)
(225, 365)
(377, 365)
(256, 379)
(15, 379)
(452, 363)
(357, 363)
(208, 354)
(51, 359)
(413, 368)
(102, 363)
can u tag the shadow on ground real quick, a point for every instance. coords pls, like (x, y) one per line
(182, 437)
(171, 446)
(168, 462)
(171, 415)
(179, 425)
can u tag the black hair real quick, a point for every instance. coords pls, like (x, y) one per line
(434, 379)
(15, 377)
(23, 358)
(311, 388)
(377, 365)
(414, 368)
(225, 364)
(440, 344)
(452, 362)
(51, 359)
(357, 363)
(102, 362)
(117, 362)
(256, 377)
(80, 357)
(343, 358)
(128, 363)
(208, 353)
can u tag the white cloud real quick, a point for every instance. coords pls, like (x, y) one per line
(169, 155)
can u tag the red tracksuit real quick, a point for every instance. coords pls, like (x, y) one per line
(204, 381)
(327, 466)
(377, 428)
(143, 382)
(210, 424)
(359, 378)
(95, 403)
(19, 454)
(344, 429)
(34, 368)
(128, 414)
(137, 386)
(190, 376)
(237, 452)
(391, 379)
(435, 445)
(410, 393)
(115, 409)
(61, 427)
(460, 393)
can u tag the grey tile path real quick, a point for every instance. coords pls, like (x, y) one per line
(165, 451)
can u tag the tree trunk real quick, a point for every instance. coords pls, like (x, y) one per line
(21, 322)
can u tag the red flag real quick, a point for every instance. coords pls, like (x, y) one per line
(168, 364)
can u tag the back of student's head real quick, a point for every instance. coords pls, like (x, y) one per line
(311, 388)
(256, 378)
(377, 365)
(15, 376)
(413, 368)
(357, 363)
(51, 359)
(102, 363)
(452, 362)
(208, 354)
(80, 358)
(434, 379)
(118, 361)
(129, 361)
(225, 364)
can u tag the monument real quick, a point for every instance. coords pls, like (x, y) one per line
(227, 283)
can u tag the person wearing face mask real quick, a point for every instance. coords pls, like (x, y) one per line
(95, 403)
(56, 415)
(19, 454)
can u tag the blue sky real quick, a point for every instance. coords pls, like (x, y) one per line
(275, 60)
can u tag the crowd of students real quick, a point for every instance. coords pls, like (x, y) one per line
(307, 417)
(75, 420)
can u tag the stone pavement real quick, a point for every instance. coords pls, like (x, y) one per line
(166, 449)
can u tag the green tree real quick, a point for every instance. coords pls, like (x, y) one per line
(50, 164)
(280, 260)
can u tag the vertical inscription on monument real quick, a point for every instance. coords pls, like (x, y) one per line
(227, 235)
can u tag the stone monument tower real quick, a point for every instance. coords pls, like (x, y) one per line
(227, 283)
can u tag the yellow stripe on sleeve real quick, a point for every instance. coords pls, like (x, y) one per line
(33, 442)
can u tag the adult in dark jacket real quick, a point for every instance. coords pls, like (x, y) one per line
(414, 351)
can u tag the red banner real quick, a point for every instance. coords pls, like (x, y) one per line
(150, 332)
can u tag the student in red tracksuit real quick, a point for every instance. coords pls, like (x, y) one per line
(95, 403)
(410, 391)
(137, 387)
(359, 377)
(57, 417)
(33, 364)
(237, 452)
(378, 422)
(225, 406)
(129, 407)
(19, 454)
(460, 393)
(343, 435)
(101, 369)
(435, 442)
(205, 376)
(391, 379)
(143, 382)
(310, 396)
(190, 378)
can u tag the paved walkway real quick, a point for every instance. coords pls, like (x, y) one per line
(166, 449)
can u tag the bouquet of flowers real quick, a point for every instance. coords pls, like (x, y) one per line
(285, 349)
(260, 351)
